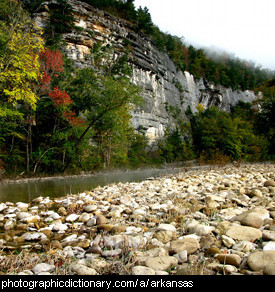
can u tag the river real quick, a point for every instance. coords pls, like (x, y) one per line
(29, 189)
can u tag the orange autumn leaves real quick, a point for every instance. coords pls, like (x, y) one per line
(52, 66)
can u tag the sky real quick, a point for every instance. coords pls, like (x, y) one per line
(245, 28)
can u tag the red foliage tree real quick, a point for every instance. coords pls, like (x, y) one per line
(60, 98)
(72, 118)
(52, 65)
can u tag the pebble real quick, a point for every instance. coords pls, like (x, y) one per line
(230, 259)
(165, 236)
(239, 232)
(72, 218)
(188, 244)
(181, 256)
(143, 271)
(83, 270)
(59, 227)
(34, 236)
(42, 268)
(269, 245)
(222, 217)
(260, 259)
(161, 263)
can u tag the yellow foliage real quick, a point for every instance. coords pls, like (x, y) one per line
(200, 108)
(20, 68)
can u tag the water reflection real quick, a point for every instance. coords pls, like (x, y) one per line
(57, 187)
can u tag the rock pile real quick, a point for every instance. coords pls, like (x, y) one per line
(208, 221)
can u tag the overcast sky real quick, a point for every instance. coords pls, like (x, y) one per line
(243, 27)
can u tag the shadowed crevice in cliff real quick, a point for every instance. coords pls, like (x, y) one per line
(153, 70)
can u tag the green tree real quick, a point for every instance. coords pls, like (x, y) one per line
(61, 20)
(144, 20)
(172, 148)
(265, 121)
(232, 136)
(113, 134)
(100, 96)
(20, 43)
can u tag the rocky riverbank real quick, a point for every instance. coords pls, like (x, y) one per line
(201, 222)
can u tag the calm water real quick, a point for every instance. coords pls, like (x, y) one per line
(57, 187)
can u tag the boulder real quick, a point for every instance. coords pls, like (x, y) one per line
(188, 243)
(238, 232)
(260, 259)
(161, 263)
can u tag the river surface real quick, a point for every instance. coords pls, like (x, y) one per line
(27, 190)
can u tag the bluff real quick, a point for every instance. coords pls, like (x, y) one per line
(167, 93)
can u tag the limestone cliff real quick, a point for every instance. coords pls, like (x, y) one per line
(166, 91)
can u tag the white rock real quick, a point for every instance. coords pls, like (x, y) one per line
(10, 216)
(244, 246)
(126, 200)
(55, 216)
(228, 241)
(43, 267)
(89, 208)
(139, 211)
(142, 271)
(117, 208)
(68, 252)
(22, 206)
(31, 219)
(114, 214)
(46, 201)
(72, 218)
(161, 263)
(84, 217)
(25, 273)
(38, 200)
(199, 215)
(10, 224)
(59, 227)
(10, 210)
(3, 206)
(167, 181)
(195, 227)
(167, 227)
(23, 215)
(83, 270)
(269, 245)
(215, 198)
(112, 253)
(120, 241)
(133, 229)
(181, 256)
(161, 207)
(91, 222)
(75, 251)
(35, 236)
(70, 238)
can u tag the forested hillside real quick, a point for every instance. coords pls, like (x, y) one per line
(55, 117)
(224, 69)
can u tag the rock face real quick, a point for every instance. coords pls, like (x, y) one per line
(165, 90)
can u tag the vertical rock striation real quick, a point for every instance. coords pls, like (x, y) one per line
(167, 93)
